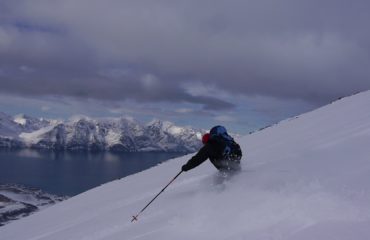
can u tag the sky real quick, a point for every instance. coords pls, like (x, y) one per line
(243, 64)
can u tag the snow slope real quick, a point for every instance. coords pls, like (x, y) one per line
(304, 178)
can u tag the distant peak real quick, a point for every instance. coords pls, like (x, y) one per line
(21, 119)
(77, 118)
(155, 122)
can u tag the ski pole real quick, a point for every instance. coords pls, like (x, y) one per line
(134, 218)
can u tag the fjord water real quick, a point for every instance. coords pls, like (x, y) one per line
(70, 173)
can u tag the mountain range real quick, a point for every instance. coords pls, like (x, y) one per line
(82, 133)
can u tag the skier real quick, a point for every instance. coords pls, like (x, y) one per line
(220, 148)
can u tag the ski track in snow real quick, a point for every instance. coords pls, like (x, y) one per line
(304, 178)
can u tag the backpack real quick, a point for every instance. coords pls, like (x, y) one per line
(232, 150)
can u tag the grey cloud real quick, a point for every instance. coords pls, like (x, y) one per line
(144, 50)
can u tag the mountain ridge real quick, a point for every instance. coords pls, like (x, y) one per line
(106, 134)
(17, 201)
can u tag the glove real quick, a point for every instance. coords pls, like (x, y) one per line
(184, 168)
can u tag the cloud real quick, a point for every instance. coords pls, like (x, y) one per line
(147, 51)
(45, 108)
(184, 110)
(224, 118)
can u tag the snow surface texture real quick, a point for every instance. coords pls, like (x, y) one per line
(305, 178)
(83, 133)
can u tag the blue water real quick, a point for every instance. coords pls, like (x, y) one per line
(70, 173)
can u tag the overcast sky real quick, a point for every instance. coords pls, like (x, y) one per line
(238, 63)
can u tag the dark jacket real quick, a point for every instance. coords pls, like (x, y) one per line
(213, 150)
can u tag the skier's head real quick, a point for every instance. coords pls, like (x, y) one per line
(205, 138)
(218, 130)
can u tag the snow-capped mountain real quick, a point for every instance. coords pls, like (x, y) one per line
(83, 133)
(30, 124)
(17, 201)
(9, 130)
(304, 178)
